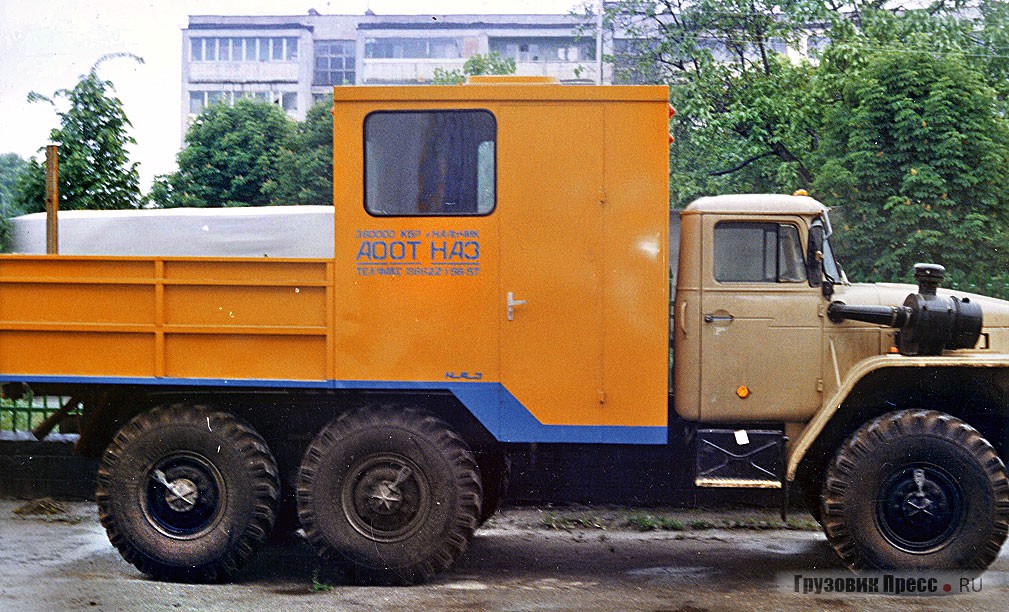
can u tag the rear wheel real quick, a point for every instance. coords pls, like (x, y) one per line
(916, 490)
(391, 495)
(187, 493)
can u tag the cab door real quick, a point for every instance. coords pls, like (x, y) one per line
(551, 245)
(761, 322)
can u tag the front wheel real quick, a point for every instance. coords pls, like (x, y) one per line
(916, 490)
(391, 495)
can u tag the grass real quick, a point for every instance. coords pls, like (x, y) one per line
(643, 521)
(567, 523)
(648, 522)
(319, 585)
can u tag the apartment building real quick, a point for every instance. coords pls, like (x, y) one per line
(295, 60)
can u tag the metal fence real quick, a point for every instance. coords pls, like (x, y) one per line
(25, 413)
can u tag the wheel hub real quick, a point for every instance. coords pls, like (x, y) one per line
(183, 496)
(386, 499)
(919, 508)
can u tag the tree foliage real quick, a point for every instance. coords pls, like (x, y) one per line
(895, 117)
(743, 119)
(491, 63)
(305, 162)
(95, 171)
(231, 155)
(915, 146)
(11, 165)
(916, 166)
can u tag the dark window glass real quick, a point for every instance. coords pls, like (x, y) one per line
(430, 163)
(224, 49)
(197, 100)
(334, 63)
(394, 48)
(758, 252)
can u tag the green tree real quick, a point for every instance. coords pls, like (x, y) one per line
(231, 157)
(305, 163)
(916, 160)
(95, 171)
(743, 108)
(11, 164)
(491, 63)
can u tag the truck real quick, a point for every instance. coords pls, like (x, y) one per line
(505, 270)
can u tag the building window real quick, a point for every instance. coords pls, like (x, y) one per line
(334, 62)
(554, 49)
(250, 49)
(199, 100)
(437, 163)
(411, 48)
(206, 49)
(758, 252)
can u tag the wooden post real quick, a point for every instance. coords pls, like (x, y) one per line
(52, 199)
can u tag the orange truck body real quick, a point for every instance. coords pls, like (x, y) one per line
(576, 240)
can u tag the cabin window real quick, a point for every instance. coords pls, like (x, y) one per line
(437, 163)
(758, 253)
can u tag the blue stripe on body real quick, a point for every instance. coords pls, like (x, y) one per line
(489, 402)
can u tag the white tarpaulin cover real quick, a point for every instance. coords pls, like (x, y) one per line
(266, 231)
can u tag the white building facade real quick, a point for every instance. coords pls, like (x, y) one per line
(294, 61)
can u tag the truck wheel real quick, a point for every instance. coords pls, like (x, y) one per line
(391, 495)
(916, 490)
(187, 493)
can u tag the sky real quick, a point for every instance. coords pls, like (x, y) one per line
(45, 45)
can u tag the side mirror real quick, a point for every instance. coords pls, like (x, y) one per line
(814, 261)
(814, 256)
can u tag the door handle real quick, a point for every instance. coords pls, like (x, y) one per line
(713, 318)
(512, 303)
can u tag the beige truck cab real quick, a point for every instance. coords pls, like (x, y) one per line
(879, 399)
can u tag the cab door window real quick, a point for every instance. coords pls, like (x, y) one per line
(750, 252)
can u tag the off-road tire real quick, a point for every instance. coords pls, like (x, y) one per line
(223, 458)
(391, 495)
(909, 460)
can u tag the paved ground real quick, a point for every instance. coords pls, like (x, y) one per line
(525, 560)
